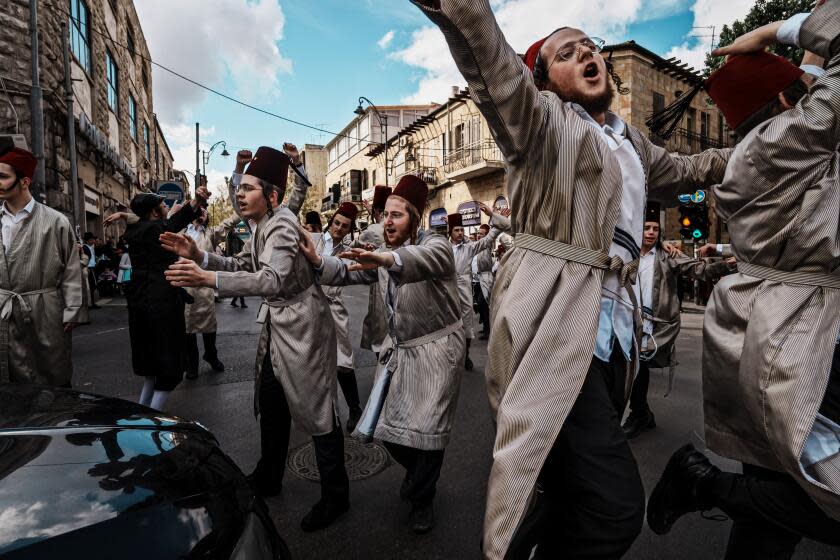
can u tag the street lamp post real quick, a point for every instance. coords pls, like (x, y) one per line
(383, 128)
(205, 155)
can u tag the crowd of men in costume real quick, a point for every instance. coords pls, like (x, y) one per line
(582, 304)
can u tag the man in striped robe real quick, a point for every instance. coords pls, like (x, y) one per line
(771, 362)
(562, 349)
(41, 298)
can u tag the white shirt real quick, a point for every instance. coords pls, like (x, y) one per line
(616, 319)
(195, 231)
(645, 282)
(11, 222)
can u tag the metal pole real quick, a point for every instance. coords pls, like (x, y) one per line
(36, 103)
(197, 155)
(71, 130)
(204, 159)
(385, 137)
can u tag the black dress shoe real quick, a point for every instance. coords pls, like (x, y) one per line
(264, 486)
(676, 493)
(323, 514)
(422, 519)
(638, 423)
(192, 373)
(353, 419)
(468, 365)
(215, 363)
(234, 304)
(244, 305)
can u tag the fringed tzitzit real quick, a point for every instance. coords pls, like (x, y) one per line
(666, 121)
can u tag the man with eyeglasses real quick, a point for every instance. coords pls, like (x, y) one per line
(296, 354)
(563, 344)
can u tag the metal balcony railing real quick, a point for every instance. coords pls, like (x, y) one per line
(474, 154)
(685, 141)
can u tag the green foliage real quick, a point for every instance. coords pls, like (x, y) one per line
(762, 13)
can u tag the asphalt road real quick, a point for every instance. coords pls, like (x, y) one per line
(376, 526)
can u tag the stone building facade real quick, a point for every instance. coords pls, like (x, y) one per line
(121, 149)
(452, 148)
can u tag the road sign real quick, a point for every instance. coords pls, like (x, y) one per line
(684, 198)
(698, 197)
(242, 231)
(172, 190)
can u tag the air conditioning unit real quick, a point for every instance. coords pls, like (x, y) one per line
(13, 141)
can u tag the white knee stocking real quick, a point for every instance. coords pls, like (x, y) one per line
(159, 399)
(148, 391)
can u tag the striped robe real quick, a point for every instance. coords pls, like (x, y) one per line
(375, 325)
(295, 315)
(420, 407)
(565, 185)
(344, 348)
(768, 344)
(484, 266)
(200, 316)
(40, 290)
(464, 253)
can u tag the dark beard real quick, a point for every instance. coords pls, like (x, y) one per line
(596, 104)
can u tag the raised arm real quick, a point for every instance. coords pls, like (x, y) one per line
(500, 83)
(432, 259)
(276, 258)
(499, 224)
(336, 272)
(298, 195)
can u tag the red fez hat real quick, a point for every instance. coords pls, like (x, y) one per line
(380, 195)
(748, 82)
(455, 220)
(533, 54)
(22, 161)
(348, 210)
(414, 190)
(740, 88)
(270, 165)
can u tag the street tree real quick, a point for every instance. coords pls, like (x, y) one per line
(762, 13)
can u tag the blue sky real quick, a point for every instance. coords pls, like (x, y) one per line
(310, 60)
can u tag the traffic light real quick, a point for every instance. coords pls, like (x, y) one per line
(694, 222)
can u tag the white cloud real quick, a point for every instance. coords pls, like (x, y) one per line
(386, 40)
(213, 42)
(708, 13)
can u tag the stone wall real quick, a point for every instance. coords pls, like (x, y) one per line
(107, 185)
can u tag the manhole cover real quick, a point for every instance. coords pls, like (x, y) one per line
(361, 460)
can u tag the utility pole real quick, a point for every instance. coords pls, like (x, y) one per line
(36, 103)
(197, 161)
(71, 130)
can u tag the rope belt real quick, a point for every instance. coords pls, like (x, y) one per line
(821, 279)
(627, 272)
(278, 303)
(8, 299)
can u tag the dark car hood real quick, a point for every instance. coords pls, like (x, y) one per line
(37, 407)
(70, 460)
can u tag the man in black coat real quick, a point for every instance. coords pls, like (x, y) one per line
(156, 308)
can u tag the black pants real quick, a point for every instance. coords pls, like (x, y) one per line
(210, 352)
(92, 285)
(422, 471)
(241, 300)
(347, 382)
(770, 511)
(590, 499)
(275, 425)
(638, 396)
(481, 306)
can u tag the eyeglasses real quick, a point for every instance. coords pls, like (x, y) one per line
(247, 188)
(566, 52)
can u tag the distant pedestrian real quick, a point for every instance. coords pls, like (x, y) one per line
(89, 248)
(41, 298)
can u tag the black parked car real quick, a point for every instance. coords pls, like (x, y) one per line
(84, 476)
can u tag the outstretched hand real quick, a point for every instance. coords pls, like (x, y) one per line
(754, 41)
(486, 209)
(185, 273)
(307, 248)
(181, 244)
(672, 251)
(707, 250)
(113, 218)
(367, 260)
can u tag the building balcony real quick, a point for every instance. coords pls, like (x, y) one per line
(428, 174)
(473, 161)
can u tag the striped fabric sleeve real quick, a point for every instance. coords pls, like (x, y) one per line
(335, 272)
(432, 259)
(819, 33)
(500, 83)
